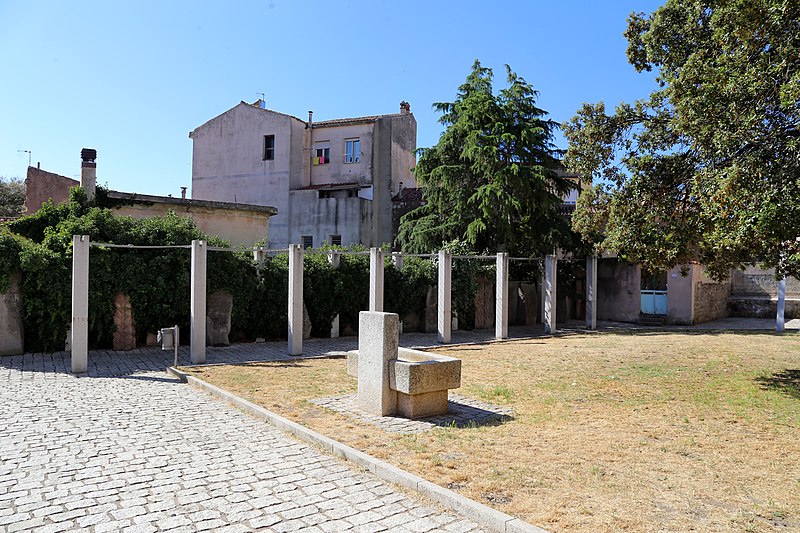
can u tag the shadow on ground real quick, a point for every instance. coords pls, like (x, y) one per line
(786, 381)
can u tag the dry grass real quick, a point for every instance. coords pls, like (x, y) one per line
(674, 431)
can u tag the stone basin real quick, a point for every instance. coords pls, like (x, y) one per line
(421, 380)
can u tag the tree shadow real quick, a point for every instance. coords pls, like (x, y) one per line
(786, 381)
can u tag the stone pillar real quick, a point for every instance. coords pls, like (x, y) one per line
(334, 258)
(445, 313)
(501, 297)
(779, 323)
(591, 292)
(550, 270)
(197, 317)
(80, 304)
(295, 310)
(397, 260)
(375, 279)
(378, 337)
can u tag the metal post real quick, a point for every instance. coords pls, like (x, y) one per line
(550, 271)
(591, 292)
(80, 304)
(176, 341)
(445, 314)
(197, 317)
(295, 299)
(375, 279)
(779, 323)
(501, 297)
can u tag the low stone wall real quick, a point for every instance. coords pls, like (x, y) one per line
(762, 307)
(11, 327)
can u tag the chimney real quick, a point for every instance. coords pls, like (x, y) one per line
(183, 193)
(310, 120)
(89, 172)
(405, 108)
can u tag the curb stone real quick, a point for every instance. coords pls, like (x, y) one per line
(480, 513)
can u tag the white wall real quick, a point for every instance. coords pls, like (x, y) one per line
(323, 217)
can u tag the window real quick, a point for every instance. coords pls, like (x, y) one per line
(352, 151)
(321, 154)
(269, 147)
(308, 241)
(336, 240)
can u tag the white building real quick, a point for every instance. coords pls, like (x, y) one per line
(331, 181)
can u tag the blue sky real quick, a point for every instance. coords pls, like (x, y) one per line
(131, 79)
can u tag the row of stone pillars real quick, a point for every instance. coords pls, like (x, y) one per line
(197, 317)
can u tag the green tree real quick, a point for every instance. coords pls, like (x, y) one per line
(708, 166)
(12, 197)
(492, 180)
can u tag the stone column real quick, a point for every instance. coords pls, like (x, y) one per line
(334, 259)
(550, 270)
(397, 260)
(779, 322)
(444, 300)
(197, 317)
(80, 304)
(591, 292)
(501, 297)
(378, 336)
(295, 335)
(375, 279)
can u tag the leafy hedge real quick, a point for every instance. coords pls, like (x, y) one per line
(158, 281)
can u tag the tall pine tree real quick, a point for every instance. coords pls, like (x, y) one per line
(492, 180)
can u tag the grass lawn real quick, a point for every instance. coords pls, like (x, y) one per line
(611, 431)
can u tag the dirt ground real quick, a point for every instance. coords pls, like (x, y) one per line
(611, 431)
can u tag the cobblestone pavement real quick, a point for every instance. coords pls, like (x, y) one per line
(462, 412)
(128, 448)
(141, 452)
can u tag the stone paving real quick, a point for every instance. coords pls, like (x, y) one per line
(132, 450)
(463, 412)
(129, 449)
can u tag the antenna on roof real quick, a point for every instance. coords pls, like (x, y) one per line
(263, 101)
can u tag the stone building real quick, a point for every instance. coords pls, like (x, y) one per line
(236, 222)
(331, 181)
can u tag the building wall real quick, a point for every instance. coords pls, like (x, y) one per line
(41, 186)
(323, 217)
(618, 290)
(754, 281)
(240, 227)
(228, 164)
(337, 171)
(680, 295)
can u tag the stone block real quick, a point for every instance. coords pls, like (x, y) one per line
(11, 326)
(218, 318)
(432, 310)
(306, 323)
(124, 328)
(422, 405)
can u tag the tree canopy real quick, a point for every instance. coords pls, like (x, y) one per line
(12, 197)
(708, 166)
(491, 180)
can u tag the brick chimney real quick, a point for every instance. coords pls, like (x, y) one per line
(89, 172)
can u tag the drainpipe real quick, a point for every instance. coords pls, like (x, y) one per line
(309, 147)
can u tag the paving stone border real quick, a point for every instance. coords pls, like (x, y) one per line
(463, 412)
(482, 514)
